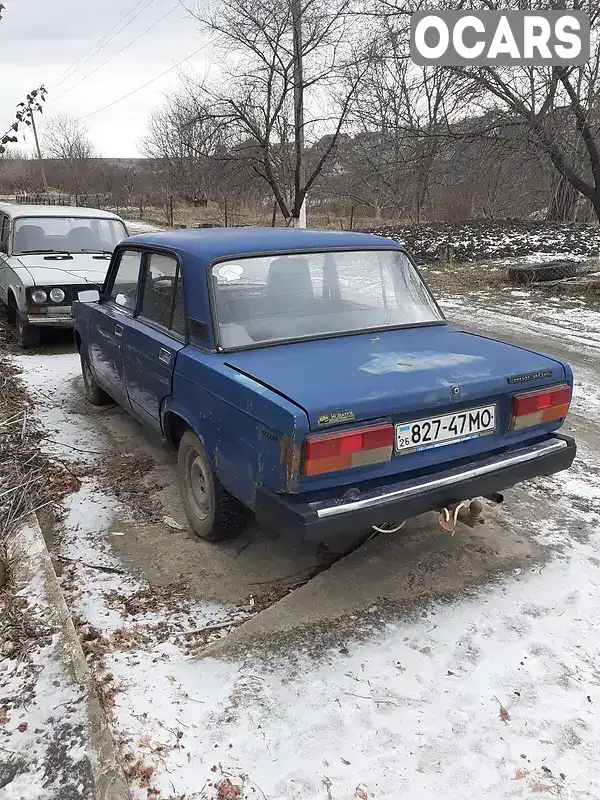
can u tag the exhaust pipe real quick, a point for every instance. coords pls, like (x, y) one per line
(495, 497)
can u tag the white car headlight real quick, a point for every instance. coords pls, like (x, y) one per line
(57, 295)
(39, 296)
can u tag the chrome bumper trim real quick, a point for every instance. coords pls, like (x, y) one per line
(50, 321)
(418, 485)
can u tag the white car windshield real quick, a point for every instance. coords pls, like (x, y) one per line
(66, 235)
(286, 297)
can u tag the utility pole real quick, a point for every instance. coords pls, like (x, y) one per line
(39, 152)
(300, 167)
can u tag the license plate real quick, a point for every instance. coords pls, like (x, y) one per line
(423, 434)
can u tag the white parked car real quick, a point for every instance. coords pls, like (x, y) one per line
(47, 255)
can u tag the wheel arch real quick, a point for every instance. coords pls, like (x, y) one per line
(12, 293)
(11, 306)
(174, 426)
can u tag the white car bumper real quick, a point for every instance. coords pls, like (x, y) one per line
(55, 317)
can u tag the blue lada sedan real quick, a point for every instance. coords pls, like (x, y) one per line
(309, 378)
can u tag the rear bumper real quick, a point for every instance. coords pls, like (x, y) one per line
(359, 509)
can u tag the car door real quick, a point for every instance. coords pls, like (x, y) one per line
(4, 270)
(110, 320)
(153, 337)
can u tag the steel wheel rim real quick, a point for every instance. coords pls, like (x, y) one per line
(198, 483)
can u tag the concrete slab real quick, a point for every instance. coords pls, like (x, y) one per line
(70, 745)
(389, 578)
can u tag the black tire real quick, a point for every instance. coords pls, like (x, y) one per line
(27, 335)
(213, 513)
(95, 395)
(11, 311)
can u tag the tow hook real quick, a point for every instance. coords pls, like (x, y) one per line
(467, 512)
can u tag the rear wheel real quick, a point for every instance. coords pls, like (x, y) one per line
(213, 513)
(95, 395)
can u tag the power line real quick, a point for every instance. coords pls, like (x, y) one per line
(73, 68)
(139, 88)
(92, 72)
(64, 72)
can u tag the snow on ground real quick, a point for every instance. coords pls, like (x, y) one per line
(569, 325)
(48, 380)
(498, 239)
(135, 226)
(42, 720)
(493, 695)
(126, 627)
(542, 258)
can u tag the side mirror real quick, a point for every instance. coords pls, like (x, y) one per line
(89, 296)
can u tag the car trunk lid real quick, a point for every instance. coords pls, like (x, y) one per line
(398, 374)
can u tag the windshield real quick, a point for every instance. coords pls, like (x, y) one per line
(66, 235)
(266, 299)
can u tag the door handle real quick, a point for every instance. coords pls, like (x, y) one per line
(164, 356)
(118, 330)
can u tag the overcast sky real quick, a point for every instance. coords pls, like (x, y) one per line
(40, 39)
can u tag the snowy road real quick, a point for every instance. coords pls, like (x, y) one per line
(418, 666)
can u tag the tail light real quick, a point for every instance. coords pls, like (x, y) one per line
(331, 452)
(535, 408)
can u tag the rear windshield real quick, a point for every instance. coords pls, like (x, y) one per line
(279, 298)
(66, 235)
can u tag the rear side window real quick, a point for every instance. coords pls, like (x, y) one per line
(162, 294)
(123, 291)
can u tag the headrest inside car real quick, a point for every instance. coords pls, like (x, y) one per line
(80, 238)
(290, 277)
(29, 237)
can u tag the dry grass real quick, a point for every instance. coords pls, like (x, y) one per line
(29, 482)
(448, 277)
(244, 215)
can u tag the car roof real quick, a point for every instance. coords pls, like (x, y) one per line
(208, 244)
(23, 210)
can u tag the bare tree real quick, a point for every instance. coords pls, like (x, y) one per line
(18, 172)
(277, 93)
(403, 114)
(184, 142)
(65, 139)
(559, 106)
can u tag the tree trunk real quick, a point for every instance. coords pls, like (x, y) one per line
(564, 202)
(575, 209)
(596, 204)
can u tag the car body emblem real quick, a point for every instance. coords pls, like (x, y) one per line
(456, 391)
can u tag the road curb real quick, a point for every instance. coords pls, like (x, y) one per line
(109, 779)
